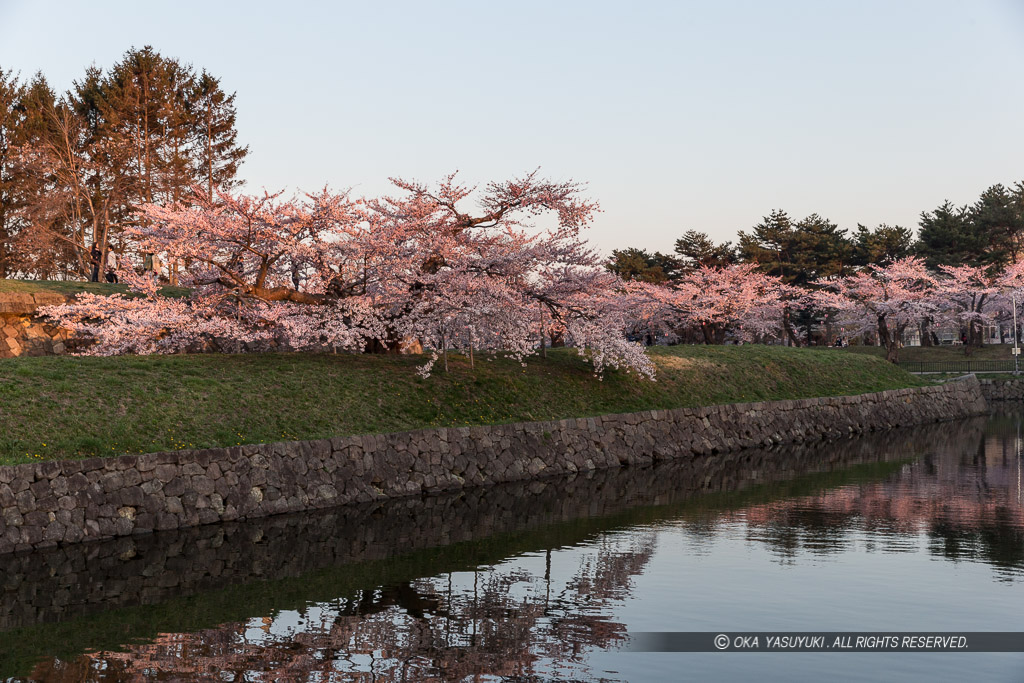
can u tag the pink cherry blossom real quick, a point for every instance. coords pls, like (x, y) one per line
(885, 299)
(332, 271)
(736, 300)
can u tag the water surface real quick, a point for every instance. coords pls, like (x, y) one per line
(911, 530)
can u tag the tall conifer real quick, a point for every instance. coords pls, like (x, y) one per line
(218, 153)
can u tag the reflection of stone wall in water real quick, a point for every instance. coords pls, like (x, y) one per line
(47, 503)
(1003, 389)
(496, 622)
(22, 333)
(81, 579)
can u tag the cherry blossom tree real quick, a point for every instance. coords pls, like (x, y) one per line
(883, 298)
(1009, 284)
(968, 296)
(719, 301)
(380, 273)
(494, 281)
(242, 255)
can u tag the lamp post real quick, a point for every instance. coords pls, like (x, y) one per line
(1016, 348)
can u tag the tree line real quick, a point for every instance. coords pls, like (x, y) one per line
(808, 254)
(75, 167)
(987, 233)
(416, 270)
(143, 159)
(738, 302)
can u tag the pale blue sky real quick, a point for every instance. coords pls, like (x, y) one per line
(679, 114)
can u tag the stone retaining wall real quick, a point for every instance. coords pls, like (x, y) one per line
(1002, 389)
(44, 504)
(22, 333)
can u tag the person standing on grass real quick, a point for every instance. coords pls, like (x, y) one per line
(151, 264)
(157, 266)
(95, 258)
(111, 274)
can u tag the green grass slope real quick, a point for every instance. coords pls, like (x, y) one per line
(71, 287)
(67, 407)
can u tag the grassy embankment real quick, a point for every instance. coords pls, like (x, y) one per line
(66, 407)
(71, 287)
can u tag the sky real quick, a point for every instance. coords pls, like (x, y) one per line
(678, 115)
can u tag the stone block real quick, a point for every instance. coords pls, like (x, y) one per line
(164, 473)
(175, 487)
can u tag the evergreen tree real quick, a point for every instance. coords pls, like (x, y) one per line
(820, 250)
(145, 131)
(218, 153)
(996, 217)
(142, 111)
(799, 252)
(640, 265)
(177, 132)
(948, 237)
(770, 245)
(697, 249)
(881, 246)
(12, 91)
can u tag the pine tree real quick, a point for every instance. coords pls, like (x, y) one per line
(697, 249)
(820, 250)
(641, 265)
(881, 246)
(135, 113)
(998, 222)
(947, 237)
(771, 245)
(176, 151)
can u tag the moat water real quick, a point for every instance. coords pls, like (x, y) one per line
(915, 530)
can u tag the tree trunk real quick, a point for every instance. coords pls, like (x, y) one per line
(926, 333)
(209, 150)
(543, 345)
(787, 325)
(708, 335)
(891, 343)
(557, 338)
(394, 345)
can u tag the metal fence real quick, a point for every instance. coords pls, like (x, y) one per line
(954, 366)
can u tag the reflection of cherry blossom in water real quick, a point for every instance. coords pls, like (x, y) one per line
(932, 501)
(504, 620)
